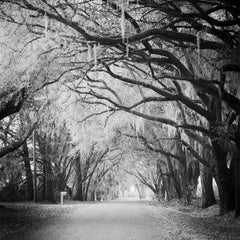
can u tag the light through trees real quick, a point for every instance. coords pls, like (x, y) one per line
(160, 74)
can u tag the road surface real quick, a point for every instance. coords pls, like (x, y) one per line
(116, 220)
(104, 221)
(132, 220)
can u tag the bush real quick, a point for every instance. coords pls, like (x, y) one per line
(12, 193)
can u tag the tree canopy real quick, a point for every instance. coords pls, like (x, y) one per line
(174, 64)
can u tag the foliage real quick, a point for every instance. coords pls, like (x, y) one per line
(169, 63)
(12, 178)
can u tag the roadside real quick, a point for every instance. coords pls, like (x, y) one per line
(19, 219)
(192, 222)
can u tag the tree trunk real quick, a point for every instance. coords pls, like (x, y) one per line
(171, 189)
(237, 171)
(79, 185)
(165, 190)
(184, 182)
(29, 176)
(183, 171)
(87, 189)
(79, 193)
(223, 178)
(176, 182)
(208, 198)
(50, 184)
(187, 193)
(193, 175)
(44, 180)
(220, 155)
(87, 185)
(237, 185)
(160, 185)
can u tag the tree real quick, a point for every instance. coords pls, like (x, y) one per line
(165, 49)
(12, 128)
(19, 77)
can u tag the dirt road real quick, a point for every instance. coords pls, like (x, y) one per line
(103, 221)
(117, 220)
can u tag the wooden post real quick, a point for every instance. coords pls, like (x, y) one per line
(62, 195)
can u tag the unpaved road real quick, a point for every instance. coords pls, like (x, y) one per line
(103, 221)
(117, 220)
